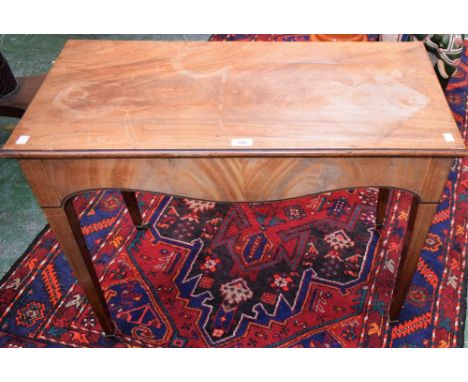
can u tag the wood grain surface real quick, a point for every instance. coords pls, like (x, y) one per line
(234, 179)
(121, 98)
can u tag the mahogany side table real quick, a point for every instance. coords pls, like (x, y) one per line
(235, 121)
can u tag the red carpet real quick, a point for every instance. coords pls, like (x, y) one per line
(304, 272)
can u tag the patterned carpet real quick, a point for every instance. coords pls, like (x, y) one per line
(307, 272)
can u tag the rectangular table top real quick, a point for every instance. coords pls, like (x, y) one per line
(140, 98)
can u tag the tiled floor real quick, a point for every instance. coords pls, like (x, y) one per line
(20, 217)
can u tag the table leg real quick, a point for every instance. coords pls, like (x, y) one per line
(51, 182)
(419, 222)
(64, 223)
(131, 202)
(381, 207)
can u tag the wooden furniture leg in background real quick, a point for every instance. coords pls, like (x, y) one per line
(381, 207)
(133, 209)
(65, 224)
(419, 222)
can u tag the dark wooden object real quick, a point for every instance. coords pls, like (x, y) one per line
(82, 264)
(381, 207)
(131, 202)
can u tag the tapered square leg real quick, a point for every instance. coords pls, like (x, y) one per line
(64, 223)
(131, 202)
(419, 222)
(381, 207)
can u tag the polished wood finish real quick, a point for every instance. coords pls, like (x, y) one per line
(131, 202)
(66, 226)
(193, 98)
(381, 209)
(420, 220)
(235, 179)
(314, 117)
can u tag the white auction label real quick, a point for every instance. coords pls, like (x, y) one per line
(449, 137)
(22, 140)
(241, 142)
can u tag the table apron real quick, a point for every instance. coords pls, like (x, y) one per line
(228, 179)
